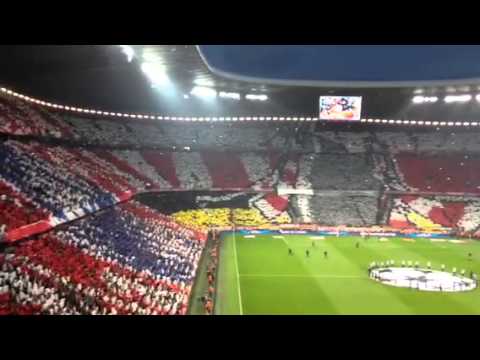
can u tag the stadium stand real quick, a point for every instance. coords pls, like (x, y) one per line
(125, 260)
(336, 210)
(94, 250)
(444, 172)
(16, 210)
(342, 172)
(436, 212)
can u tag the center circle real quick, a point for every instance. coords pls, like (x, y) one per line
(422, 279)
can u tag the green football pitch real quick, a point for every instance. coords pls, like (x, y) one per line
(256, 275)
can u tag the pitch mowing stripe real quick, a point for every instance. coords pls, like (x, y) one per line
(238, 273)
(307, 276)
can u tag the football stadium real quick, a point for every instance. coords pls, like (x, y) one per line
(230, 180)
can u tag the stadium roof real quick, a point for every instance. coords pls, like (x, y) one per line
(347, 65)
(160, 79)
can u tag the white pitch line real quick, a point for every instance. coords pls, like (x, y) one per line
(238, 273)
(285, 241)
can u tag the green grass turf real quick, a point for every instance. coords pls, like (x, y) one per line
(257, 276)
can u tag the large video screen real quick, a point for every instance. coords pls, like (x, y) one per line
(340, 108)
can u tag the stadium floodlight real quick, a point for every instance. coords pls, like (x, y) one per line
(229, 95)
(417, 100)
(477, 97)
(256, 97)
(186, 96)
(424, 99)
(156, 74)
(204, 92)
(128, 51)
(457, 98)
(203, 82)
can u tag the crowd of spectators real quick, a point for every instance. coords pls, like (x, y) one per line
(125, 260)
(336, 210)
(51, 187)
(459, 213)
(17, 211)
(39, 179)
(443, 173)
(205, 219)
(19, 118)
(343, 172)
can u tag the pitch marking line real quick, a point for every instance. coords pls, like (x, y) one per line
(238, 273)
(285, 241)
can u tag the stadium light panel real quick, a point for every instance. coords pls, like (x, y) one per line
(457, 98)
(204, 92)
(477, 97)
(255, 97)
(203, 82)
(417, 99)
(156, 74)
(424, 99)
(229, 95)
(128, 51)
